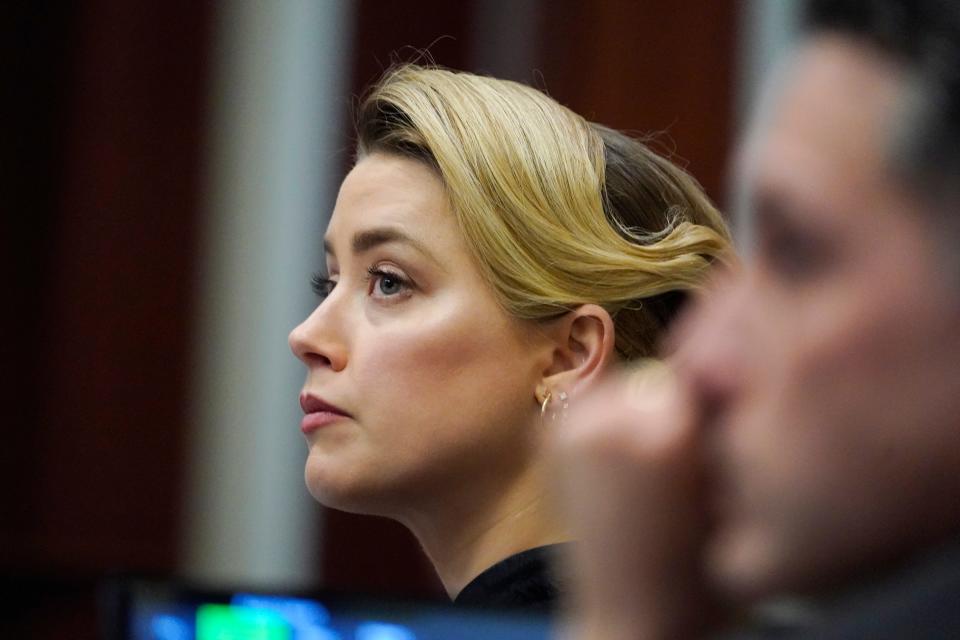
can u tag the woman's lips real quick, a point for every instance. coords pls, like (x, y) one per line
(313, 421)
(318, 413)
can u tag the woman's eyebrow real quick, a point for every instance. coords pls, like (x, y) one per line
(368, 239)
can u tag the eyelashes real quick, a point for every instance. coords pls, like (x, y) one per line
(322, 285)
(382, 283)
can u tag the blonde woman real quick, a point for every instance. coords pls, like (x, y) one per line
(490, 253)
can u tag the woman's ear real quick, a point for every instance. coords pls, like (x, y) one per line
(584, 348)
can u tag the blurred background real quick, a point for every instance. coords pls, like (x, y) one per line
(168, 168)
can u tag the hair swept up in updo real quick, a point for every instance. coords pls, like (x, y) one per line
(556, 210)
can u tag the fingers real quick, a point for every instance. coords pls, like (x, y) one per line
(628, 472)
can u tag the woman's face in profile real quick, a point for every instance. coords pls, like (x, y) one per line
(434, 379)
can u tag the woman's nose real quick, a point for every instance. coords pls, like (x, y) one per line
(315, 342)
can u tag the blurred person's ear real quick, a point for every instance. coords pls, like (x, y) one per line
(583, 348)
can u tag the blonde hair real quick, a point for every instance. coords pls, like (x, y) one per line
(557, 211)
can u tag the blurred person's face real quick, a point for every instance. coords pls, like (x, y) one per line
(828, 366)
(436, 378)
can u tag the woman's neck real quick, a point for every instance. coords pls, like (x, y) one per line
(466, 535)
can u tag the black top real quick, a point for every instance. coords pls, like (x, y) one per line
(526, 580)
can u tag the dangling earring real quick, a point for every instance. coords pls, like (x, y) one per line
(564, 405)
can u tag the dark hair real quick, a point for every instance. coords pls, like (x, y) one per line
(646, 194)
(923, 36)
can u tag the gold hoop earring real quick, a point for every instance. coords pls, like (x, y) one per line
(543, 405)
(562, 397)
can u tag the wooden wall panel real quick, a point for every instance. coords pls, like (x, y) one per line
(111, 105)
(650, 66)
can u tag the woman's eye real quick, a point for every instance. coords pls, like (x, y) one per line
(386, 284)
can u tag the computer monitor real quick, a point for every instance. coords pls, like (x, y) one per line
(152, 610)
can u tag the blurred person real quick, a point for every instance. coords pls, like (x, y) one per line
(804, 439)
(489, 252)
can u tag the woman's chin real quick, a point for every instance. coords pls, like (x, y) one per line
(341, 491)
